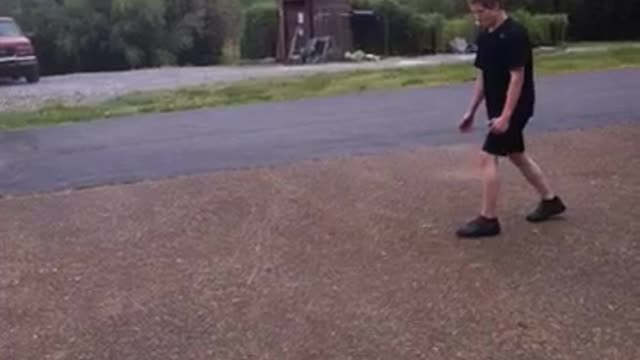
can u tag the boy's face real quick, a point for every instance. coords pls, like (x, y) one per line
(485, 17)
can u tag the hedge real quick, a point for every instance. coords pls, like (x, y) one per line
(544, 29)
(409, 33)
(458, 28)
(260, 31)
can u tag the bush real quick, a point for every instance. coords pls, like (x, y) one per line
(458, 28)
(97, 35)
(536, 32)
(396, 29)
(544, 29)
(557, 25)
(260, 32)
(399, 26)
(433, 36)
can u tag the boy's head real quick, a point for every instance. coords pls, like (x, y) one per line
(487, 13)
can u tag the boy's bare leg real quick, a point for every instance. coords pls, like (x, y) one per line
(487, 223)
(534, 175)
(491, 186)
(551, 205)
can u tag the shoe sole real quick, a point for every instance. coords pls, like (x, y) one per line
(461, 236)
(549, 217)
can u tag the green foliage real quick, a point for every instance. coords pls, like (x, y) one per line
(458, 28)
(448, 8)
(555, 28)
(397, 29)
(544, 29)
(95, 35)
(535, 28)
(249, 3)
(410, 33)
(589, 19)
(260, 33)
(433, 37)
(92, 35)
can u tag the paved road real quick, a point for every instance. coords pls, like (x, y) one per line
(154, 146)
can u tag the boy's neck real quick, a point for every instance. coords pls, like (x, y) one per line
(501, 19)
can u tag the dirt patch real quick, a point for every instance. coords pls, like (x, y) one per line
(343, 259)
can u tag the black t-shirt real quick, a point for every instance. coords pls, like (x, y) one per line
(506, 48)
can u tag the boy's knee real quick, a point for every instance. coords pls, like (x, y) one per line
(519, 160)
(487, 160)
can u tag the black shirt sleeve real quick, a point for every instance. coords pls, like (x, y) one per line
(517, 49)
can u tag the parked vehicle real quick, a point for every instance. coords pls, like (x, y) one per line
(17, 55)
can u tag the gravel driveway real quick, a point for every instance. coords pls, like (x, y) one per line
(86, 88)
(339, 259)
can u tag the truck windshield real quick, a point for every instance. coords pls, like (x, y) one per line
(9, 28)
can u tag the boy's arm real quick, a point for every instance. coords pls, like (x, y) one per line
(476, 100)
(478, 89)
(513, 93)
(478, 94)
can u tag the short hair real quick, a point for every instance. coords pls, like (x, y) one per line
(489, 4)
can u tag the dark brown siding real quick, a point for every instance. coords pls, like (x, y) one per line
(321, 18)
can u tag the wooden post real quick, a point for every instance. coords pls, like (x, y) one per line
(386, 35)
(281, 51)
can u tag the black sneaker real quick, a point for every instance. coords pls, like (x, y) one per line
(480, 227)
(546, 210)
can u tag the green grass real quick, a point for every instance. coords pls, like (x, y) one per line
(580, 62)
(311, 86)
(608, 44)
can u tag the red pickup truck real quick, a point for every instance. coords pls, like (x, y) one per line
(17, 56)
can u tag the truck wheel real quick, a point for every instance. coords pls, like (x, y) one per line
(33, 76)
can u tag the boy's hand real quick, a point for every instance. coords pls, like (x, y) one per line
(499, 125)
(467, 122)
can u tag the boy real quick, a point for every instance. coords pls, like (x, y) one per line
(505, 83)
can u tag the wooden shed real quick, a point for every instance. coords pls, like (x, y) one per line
(303, 20)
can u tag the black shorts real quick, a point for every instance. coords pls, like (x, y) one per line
(511, 142)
